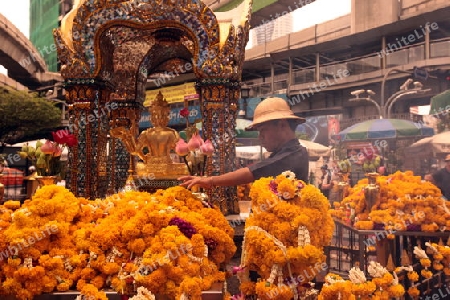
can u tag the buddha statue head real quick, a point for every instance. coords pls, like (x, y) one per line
(159, 111)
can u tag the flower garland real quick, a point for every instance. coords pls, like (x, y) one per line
(168, 242)
(383, 285)
(282, 242)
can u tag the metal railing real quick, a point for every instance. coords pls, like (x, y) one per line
(360, 65)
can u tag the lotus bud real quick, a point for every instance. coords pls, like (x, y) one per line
(39, 144)
(23, 154)
(182, 148)
(48, 148)
(31, 151)
(195, 142)
(207, 148)
(58, 151)
(40, 163)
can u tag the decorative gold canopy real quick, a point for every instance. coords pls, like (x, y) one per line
(109, 48)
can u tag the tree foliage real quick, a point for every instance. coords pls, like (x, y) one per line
(24, 115)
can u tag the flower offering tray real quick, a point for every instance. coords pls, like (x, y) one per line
(215, 293)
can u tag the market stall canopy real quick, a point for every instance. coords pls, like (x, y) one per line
(315, 150)
(436, 145)
(251, 152)
(240, 129)
(440, 104)
(384, 129)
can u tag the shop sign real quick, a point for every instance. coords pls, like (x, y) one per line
(175, 118)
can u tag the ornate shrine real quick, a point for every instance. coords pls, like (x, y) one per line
(107, 51)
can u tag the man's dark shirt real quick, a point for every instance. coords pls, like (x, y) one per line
(290, 157)
(442, 179)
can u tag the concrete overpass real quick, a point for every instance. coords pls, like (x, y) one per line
(22, 60)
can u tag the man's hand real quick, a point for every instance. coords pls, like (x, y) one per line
(190, 181)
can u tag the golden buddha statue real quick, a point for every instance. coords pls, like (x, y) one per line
(154, 145)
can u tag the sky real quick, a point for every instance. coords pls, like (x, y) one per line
(320, 11)
(313, 13)
(17, 12)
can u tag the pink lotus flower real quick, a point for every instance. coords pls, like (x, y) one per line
(207, 148)
(195, 142)
(49, 147)
(58, 151)
(182, 148)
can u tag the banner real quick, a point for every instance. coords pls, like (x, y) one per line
(175, 118)
(173, 94)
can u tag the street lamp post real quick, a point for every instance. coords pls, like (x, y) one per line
(384, 109)
(392, 100)
(368, 98)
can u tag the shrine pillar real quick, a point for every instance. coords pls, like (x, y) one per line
(89, 118)
(219, 100)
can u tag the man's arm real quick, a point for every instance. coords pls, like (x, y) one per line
(240, 176)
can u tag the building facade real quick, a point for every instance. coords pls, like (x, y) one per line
(377, 47)
(46, 15)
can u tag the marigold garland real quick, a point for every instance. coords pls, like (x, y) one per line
(57, 242)
(282, 239)
(384, 285)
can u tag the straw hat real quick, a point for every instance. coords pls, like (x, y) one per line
(447, 158)
(272, 109)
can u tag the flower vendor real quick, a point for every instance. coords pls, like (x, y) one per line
(276, 124)
(442, 178)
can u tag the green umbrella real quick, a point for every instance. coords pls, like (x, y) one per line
(384, 129)
(440, 103)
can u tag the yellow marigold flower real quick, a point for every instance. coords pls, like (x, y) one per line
(426, 273)
(396, 291)
(12, 204)
(413, 291)
(413, 276)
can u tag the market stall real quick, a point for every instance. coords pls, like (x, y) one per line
(385, 138)
(426, 154)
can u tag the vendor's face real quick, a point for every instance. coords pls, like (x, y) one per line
(269, 135)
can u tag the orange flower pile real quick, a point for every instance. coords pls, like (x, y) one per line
(57, 242)
(404, 202)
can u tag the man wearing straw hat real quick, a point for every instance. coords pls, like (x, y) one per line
(276, 124)
(441, 178)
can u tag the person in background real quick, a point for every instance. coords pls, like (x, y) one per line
(276, 124)
(441, 178)
(326, 184)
